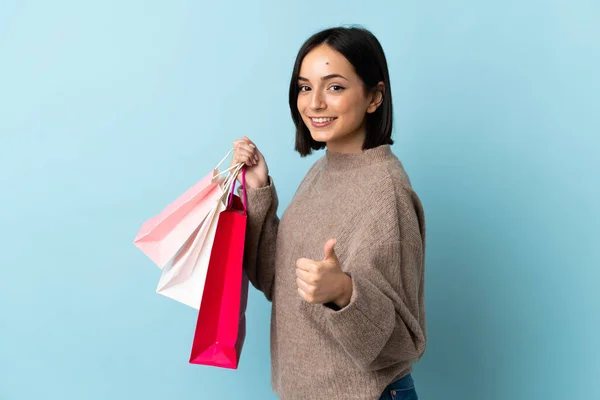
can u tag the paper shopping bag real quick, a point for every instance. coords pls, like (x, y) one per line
(183, 278)
(163, 235)
(221, 324)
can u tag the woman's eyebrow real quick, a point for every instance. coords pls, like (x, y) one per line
(326, 77)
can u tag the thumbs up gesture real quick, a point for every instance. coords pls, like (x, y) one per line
(324, 281)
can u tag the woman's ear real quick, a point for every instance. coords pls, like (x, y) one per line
(376, 98)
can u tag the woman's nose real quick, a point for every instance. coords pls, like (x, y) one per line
(317, 101)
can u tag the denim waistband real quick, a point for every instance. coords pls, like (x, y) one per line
(403, 383)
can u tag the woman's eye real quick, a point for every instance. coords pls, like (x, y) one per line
(337, 88)
(303, 88)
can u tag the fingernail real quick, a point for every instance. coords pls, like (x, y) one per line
(253, 146)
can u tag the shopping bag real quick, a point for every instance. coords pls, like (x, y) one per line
(183, 278)
(163, 235)
(221, 324)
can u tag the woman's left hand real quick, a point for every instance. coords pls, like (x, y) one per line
(324, 281)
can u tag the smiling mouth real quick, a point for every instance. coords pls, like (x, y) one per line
(321, 120)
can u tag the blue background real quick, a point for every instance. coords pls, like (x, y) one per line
(111, 109)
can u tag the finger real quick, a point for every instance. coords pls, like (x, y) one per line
(244, 160)
(302, 294)
(306, 295)
(253, 146)
(245, 156)
(249, 141)
(305, 276)
(306, 264)
(244, 150)
(329, 250)
(247, 161)
(249, 147)
(306, 288)
(244, 145)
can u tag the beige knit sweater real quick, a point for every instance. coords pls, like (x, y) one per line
(366, 202)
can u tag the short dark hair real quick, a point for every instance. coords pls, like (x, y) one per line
(362, 49)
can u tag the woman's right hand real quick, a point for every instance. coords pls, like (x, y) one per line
(257, 172)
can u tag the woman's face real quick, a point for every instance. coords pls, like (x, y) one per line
(332, 100)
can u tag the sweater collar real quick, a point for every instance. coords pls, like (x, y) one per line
(344, 161)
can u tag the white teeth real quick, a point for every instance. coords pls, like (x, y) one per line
(321, 120)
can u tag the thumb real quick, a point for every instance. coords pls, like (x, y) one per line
(329, 251)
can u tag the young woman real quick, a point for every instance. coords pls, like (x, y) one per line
(344, 267)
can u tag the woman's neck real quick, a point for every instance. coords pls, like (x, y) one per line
(348, 144)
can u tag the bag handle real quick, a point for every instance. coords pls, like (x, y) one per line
(229, 183)
(230, 179)
(228, 169)
(224, 158)
(245, 197)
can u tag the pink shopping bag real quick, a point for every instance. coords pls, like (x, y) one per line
(163, 235)
(221, 324)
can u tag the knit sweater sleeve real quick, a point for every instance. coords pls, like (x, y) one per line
(384, 322)
(261, 237)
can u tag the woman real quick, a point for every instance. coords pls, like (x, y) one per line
(344, 265)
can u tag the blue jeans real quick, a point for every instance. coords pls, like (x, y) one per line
(402, 389)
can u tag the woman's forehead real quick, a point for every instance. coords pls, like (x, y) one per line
(322, 61)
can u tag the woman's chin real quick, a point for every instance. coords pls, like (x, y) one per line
(321, 136)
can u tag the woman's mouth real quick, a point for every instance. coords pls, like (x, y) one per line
(322, 121)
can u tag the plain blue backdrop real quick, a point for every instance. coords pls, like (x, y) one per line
(111, 109)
